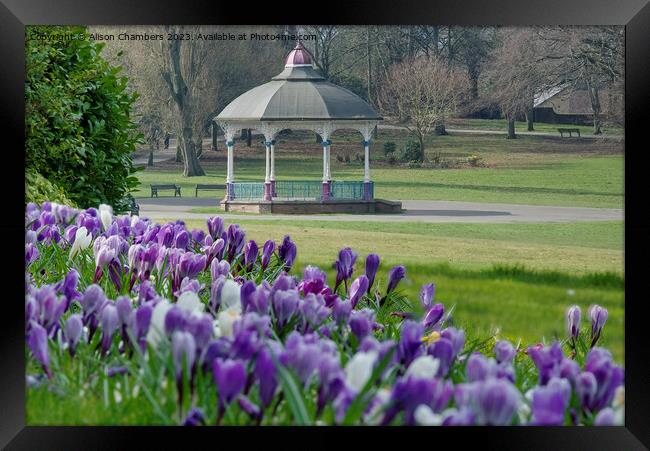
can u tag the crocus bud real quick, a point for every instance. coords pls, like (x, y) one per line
(82, 241)
(372, 264)
(230, 378)
(182, 239)
(123, 305)
(362, 322)
(110, 322)
(37, 343)
(287, 252)
(358, 288)
(72, 331)
(598, 316)
(219, 268)
(396, 274)
(250, 254)
(183, 347)
(341, 311)
(433, 316)
(215, 227)
(106, 215)
(426, 295)
(267, 252)
(573, 321)
(504, 351)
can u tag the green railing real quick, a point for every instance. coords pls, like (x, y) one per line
(247, 191)
(298, 189)
(302, 190)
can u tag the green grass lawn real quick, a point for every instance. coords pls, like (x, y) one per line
(511, 277)
(529, 170)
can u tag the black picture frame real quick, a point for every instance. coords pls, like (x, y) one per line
(634, 14)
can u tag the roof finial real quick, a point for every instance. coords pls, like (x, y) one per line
(299, 56)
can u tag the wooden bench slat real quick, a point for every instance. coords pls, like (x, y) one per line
(155, 188)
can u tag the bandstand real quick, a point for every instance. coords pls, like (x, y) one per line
(299, 98)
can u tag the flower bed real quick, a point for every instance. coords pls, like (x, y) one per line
(209, 328)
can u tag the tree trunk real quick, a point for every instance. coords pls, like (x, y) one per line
(214, 137)
(150, 161)
(421, 139)
(595, 107)
(511, 128)
(179, 152)
(473, 75)
(529, 120)
(191, 165)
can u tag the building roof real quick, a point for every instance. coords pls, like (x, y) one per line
(298, 93)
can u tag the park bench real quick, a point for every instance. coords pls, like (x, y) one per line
(208, 187)
(569, 131)
(155, 188)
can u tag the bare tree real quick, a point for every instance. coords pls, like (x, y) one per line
(585, 58)
(422, 92)
(513, 78)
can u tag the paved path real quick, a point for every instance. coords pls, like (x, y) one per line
(416, 210)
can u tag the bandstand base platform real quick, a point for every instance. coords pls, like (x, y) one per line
(306, 207)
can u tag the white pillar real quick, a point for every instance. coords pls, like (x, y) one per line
(272, 173)
(366, 160)
(329, 175)
(267, 177)
(325, 162)
(230, 177)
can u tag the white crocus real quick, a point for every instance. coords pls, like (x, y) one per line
(226, 319)
(230, 295)
(82, 240)
(424, 416)
(106, 215)
(157, 326)
(134, 220)
(190, 302)
(424, 367)
(359, 369)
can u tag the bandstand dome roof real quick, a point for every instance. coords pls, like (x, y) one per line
(298, 93)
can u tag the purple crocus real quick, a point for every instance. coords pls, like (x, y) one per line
(362, 322)
(344, 266)
(443, 350)
(573, 321)
(410, 344)
(230, 378)
(479, 368)
(341, 311)
(37, 342)
(313, 311)
(141, 324)
(72, 332)
(598, 316)
(215, 227)
(285, 304)
(427, 293)
(547, 360)
(267, 252)
(266, 371)
(372, 265)
(495, 402)
(287, 252)
(195, 417)
(396, 274)
(358, 288)
(110, 322)
(504, 351)
(250, 254)
(433, 316)
(313, 280)
(550, 402)
(182, 240)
